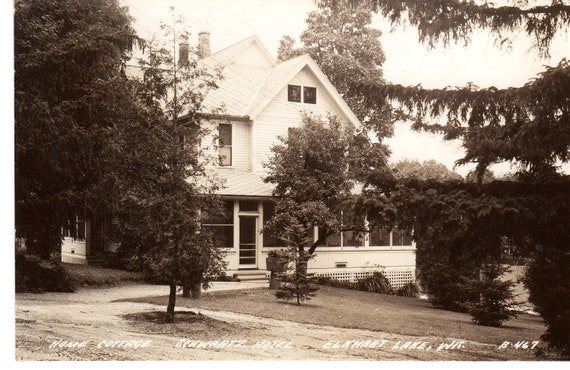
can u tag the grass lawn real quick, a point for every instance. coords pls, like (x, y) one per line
(89, 275)
(362, 310)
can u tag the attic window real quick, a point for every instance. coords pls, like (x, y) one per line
(306, 94)
(294, 93)
(310, 95)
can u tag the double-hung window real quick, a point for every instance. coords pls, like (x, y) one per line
(225, 144)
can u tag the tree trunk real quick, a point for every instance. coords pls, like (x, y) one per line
(171, 303)
(302, 263)
(45, 248)
(321, 239)
(185, 291)
(196, 290)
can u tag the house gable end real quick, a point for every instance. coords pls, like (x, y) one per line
(283, 74)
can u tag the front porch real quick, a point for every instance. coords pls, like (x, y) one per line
(397, 263)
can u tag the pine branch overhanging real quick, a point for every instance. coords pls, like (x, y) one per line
(448, 21)
(528, 124)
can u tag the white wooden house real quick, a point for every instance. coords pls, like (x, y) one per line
(260, 100)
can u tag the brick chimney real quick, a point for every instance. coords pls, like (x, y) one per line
(204, 44)
(183, 54)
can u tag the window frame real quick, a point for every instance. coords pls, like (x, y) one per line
(227, 222)
(314, 97)
(290, 96)
(303, 92)
(223, 145)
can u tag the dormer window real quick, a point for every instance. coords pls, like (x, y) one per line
(306, 94)
(225, 144)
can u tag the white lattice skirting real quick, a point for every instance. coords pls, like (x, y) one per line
(397, 277)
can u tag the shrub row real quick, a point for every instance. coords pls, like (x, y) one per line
(376, 283)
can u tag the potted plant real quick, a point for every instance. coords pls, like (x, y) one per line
(277, 260)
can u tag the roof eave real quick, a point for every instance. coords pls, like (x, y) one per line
(228, 117)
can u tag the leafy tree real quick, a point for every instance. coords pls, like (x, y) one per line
(69, 98)
(347, 49)
(488, 176)
(90, 140)
(315, 169)
(428, 170)
(165, 195)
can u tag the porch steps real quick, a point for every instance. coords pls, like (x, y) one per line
(251, 275)
(96, 260)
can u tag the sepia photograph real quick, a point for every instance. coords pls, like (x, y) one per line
(199, 181)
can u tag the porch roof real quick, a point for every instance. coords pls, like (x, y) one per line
(236, 182)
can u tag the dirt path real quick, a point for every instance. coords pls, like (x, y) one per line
(93, 324)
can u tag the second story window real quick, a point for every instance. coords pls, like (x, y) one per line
(225, 144)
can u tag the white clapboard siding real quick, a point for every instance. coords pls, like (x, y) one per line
(281, 114)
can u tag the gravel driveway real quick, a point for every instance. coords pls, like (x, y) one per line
(90, 325)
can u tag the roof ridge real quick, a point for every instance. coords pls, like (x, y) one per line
(248, 39)
(243, 44)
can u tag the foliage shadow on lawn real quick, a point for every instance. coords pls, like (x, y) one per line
(351, 309)
(185, 323)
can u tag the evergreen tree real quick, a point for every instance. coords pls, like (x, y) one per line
(525, 125)
(496, 298)
(296, 284)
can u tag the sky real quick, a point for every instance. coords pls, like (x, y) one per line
(407, 61)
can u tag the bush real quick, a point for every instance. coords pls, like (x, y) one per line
(335, 283)
(377, 283)
(495, 304)
(37, 276)
(548, 282)
(122, 259)
(446, 287)
(410, 289)
(98, 276)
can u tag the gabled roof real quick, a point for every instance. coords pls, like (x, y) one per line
(229, 55)
(246, 89)
(280, 75)
(235, 91)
